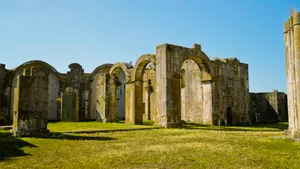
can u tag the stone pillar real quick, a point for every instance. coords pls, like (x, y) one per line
(139, 106)
(112, 93)
(76, 81)
(30, 111)
(168, 88)
(102, 113)
(149, 90)
(292, 50)
(130, 102)
(70, 105)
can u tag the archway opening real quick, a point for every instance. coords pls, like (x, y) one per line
(191, 92)
(149, 100)
(229, 116)
(120, 95)
(145, 106)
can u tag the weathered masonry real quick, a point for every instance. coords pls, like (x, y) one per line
(176, 84)
(292, 52)
(268, 107)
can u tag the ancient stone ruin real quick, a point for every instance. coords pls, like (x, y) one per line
(268, 107)
(292, 52)
(176, 84)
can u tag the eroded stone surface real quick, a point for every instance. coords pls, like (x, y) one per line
(70, 105)
(30, 111)
(268, 107)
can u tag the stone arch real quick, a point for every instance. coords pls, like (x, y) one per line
(169, 61)
(203, 63)
(140, 65)
(117, 67)
(105, 68)
(138, 72)
(97, 93)
(117, 87)
(36, 62)
(54, 85)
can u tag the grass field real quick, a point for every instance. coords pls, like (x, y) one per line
(93, 126)
(193, 146)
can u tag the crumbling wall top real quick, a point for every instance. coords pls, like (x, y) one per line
(35, 62)
(292, 21)
(75, 65)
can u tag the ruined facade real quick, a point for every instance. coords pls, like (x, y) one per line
(175, 84)
(268, 107)
(292, 52)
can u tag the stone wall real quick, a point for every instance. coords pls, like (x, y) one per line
(231, 91)
(268, 107)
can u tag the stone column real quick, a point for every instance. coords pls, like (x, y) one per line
(149, 90)
(292, 50)
(168, 89)
(139, 109)
(70, 105)
(130, 102)
(76, 81)
(112, 93)
(30, 112)
(101, 98)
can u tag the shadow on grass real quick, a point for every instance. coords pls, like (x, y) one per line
(279, 125)
(145, 122)
(68, 136)
(257, 127)
(10, 146)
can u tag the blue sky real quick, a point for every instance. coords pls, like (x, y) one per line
(94, 32)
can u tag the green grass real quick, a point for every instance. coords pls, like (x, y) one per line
(88, 126)
(194, 146)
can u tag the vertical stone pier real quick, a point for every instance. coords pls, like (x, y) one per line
(30, 112)
(70, 105)
(292, 52)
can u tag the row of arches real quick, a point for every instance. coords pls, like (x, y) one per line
(125, 87)
(149, 90)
